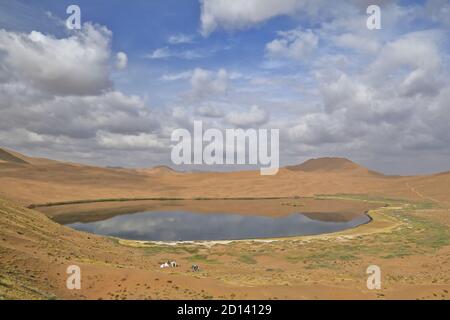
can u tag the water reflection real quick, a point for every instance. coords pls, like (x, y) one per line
(184, 226)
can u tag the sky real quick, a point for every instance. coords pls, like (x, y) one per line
(111, 93)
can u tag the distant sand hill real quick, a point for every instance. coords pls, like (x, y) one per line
(329, 164)
(158, 170)
(332, 164)
(35, 180)
(6, 156)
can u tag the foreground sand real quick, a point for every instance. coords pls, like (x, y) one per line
(409, 242)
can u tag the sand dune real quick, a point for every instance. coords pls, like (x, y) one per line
(9, 157)
(33, 248)
(327, 164)
(42, 180)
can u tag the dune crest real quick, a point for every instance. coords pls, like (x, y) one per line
(42, 180)
(328, 164)
(6, 156)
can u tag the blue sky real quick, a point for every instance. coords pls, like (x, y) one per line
(314, 71)
(145, 26)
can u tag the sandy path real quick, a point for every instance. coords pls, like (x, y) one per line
(422, 196)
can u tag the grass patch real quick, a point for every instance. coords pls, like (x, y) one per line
(421, 206)
(426, 233)
(293, 204)
(247, 259)
(202, 258)
(362, 197)
(5, 283)
(155, 249)
(335, 254)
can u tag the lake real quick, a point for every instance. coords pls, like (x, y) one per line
(181, 225)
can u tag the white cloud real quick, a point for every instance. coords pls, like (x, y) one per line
(392, 86)
(206, 83)
(439, 11)
(77, 117)
(293, 44)
(210, 111)
(180, 39)
(176, 76)
(357, 42)
(77, 65)
(396, 96)
(120, 141)
(345, 92)
(160, 53)
(317, 129)
(191, 54)
(21, 137)
(121, 60)
(238, 14)
(253, 117)
(47, 102)
(414, 59)
(166, 53)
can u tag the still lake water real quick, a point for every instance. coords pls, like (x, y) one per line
(186, 226)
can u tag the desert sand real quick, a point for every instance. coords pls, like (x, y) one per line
(409, 237)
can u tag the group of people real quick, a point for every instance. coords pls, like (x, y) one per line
(174, 264)
(169, 264)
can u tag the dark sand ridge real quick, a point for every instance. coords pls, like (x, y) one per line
(323, 210)
(41, 181)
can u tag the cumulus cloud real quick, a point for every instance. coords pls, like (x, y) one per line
(439, 11)
(56, 94)
(129, 142)
(293, 44)
(357, 42)
(166, 53)
(317, 129)
(160, 53)
(80, 117)
(210, 111)
(77, 65)
(238, 14)
(396, 96)
(180, 39)
(121, 60)
(415, 59)
(345, 92)
(357, 93)
(253, 117)
(206, 83)
(176, 76)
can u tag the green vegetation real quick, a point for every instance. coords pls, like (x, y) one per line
(418, 236)
(169, 249)
(363, 197)
(247, 259)
(293, 204)
(202, 258)
(416, 233)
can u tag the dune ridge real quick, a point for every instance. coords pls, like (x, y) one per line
(38, 180)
